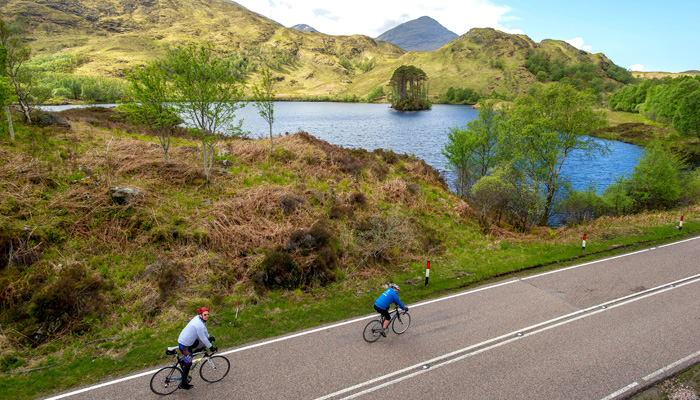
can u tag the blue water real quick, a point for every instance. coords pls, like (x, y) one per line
(423, 134)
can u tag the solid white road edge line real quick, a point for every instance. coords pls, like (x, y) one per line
(87, 389)
(652, 375)
(598, 309)
(671, 366)
(621, 391)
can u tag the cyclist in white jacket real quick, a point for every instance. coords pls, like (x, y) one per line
(192, 338)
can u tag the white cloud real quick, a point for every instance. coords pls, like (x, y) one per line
(578, 43)
(636, 67)
(373, 17)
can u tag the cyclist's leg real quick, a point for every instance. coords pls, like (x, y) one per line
(187, 364)
(197, 346)
(385, 314)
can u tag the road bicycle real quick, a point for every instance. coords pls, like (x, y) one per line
(400, 320)
(211, 369)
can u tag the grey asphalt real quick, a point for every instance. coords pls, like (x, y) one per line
(599, 330)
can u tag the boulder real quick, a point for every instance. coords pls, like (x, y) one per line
(124, 195)
(49, 119)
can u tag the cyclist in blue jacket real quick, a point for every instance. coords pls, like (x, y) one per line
(383, 302)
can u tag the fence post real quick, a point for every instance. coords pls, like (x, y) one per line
(427, 273)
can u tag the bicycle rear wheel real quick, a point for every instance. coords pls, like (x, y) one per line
(166, 380)
(401, 323)
(214, 369)
(372, 331)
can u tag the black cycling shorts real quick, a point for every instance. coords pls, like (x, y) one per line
(385, 313)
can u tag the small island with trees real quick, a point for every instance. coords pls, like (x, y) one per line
(409, 89)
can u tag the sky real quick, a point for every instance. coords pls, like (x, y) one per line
(639, 35)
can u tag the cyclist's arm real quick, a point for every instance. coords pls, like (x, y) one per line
(204, 336)
(398, 302)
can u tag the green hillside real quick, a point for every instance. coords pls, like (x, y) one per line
(107, 38)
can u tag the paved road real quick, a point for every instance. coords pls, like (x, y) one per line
(599, 330)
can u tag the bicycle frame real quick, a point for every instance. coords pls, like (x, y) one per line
(195, 363)
(394, 314)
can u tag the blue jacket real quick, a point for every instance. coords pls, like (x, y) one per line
(385, 299)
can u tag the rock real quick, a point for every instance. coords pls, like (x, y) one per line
(414, 282)
(49, 119)
(189, 149)
(158, 265)
(86, 170)
(124, 195)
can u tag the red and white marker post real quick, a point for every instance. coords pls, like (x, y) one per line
(583, 246)
(681, 225)
(427, 273)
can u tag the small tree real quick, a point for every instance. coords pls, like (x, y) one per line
(656, 181)
(207, 93)
(17, 54)
(6, 94)
(544, 128)
(616, 200)
(507, 194)
(149, 105)
(410, 91)
(472, 152)
(687, 118)
(264, 96)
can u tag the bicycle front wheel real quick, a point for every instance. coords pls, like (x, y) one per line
(166, 380)
(401, 323)
(372, 331)
(214, 369)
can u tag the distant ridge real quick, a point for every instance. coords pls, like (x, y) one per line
(422, 34)
(304, 27)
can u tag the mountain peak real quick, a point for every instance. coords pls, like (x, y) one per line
(304, 27)
(420, 34)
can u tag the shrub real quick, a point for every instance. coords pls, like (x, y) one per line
(655, 182)
(615, 200)
(77, 293)
(580, 206)
(338, 211)
(374, 94)
(277, 270)
(690, 193)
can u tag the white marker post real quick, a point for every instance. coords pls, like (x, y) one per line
(427, 273)
(583, 246)
(681, 225)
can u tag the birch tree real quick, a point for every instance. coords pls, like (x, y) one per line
(206, 93)
(150, 106)
(6, 95)
(544, 128)
(264, 96)
(14, 68)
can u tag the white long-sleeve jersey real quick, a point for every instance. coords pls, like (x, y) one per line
(196, 328)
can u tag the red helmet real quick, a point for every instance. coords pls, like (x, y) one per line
(202, 310)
